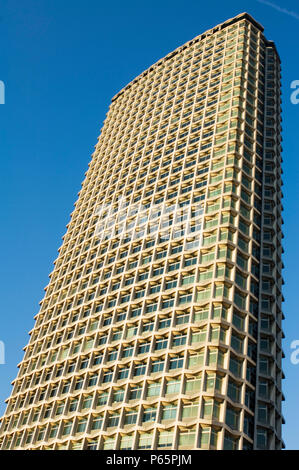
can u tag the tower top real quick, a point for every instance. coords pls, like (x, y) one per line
(201, 36)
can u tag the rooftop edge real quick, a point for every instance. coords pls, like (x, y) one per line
(213, 30)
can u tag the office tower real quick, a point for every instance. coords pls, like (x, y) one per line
(160, 327)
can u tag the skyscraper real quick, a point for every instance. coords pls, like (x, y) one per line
(160, 327)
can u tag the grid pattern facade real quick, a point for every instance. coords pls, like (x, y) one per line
(167, 335)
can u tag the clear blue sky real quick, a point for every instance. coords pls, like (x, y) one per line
(62, 61)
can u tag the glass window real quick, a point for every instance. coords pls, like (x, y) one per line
(145, 441)
(131, 417)
(135, 393)
(126, 443)
(113, 420)
(173, 387)
(165, 439)
(190, 411)
(169, 412)
(176, 363)
(81, 425)
(154, 389)
(97, 422)
(109, 443)
(186, 439)
(149, 415)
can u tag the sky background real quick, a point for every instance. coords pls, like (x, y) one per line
(61, 62)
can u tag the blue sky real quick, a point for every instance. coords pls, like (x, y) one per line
(61, 63)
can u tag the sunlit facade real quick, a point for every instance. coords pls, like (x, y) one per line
(160, 327)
